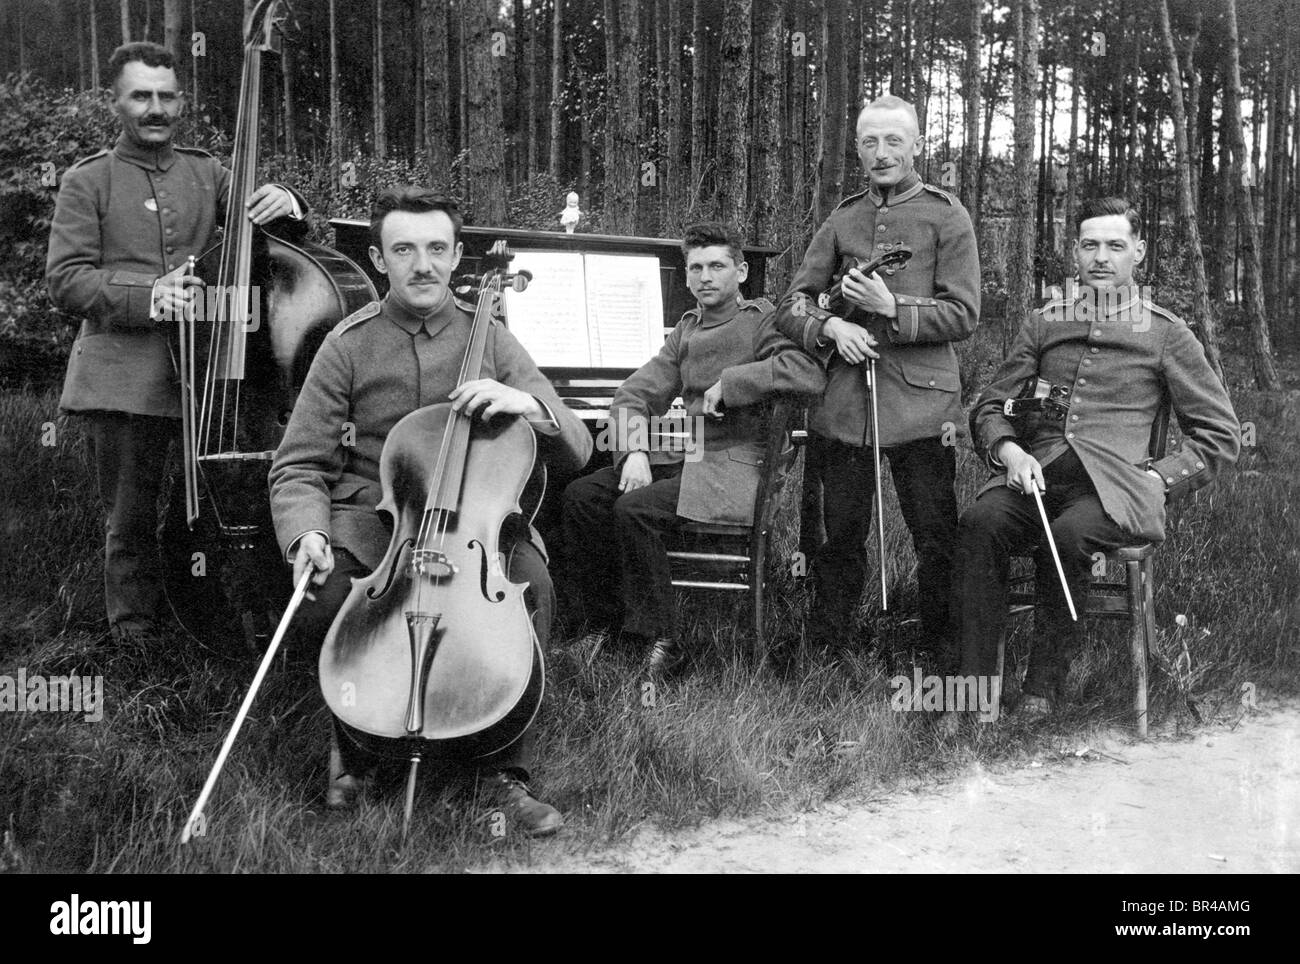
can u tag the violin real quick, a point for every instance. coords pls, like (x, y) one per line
(435, 651)
(833, 300)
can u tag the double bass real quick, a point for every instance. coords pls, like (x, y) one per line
(435, 652)
(269, 304)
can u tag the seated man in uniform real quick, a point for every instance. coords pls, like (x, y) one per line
(725, 359)
(380, 364)
(1108, 358)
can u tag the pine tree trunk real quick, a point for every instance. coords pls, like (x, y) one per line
(485, 172)
(557, 89)
(336, 147)
(699, 104)
(832, 129)
(1203, 321)
(437, 94)
(1020, 247)
(970, 92)
(622, 117)
(125, 8)
(734, 122)
(172, 27)
(288, 62)
(378, 107)
(769, 59)
(94, 49)
(678, 131)
(1266, 377)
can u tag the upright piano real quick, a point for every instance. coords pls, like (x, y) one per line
(585, 380)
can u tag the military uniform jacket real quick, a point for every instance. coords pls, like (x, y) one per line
(1121, 357)
(754, 361)
(938, 300)
(124, 218)
(377, 366)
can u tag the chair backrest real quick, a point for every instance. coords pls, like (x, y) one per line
(784, 414)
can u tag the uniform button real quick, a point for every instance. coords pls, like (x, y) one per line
(1074, 418)
(1170, 480)
(932, 383)
(1200, 465)
(1096, 333)
(1071, 435)
(171, 249)
(880, 227)
(170, 231)
(884, 209)
(880, 244)
(1086, 361)
(1185, 472)
(1083, 381)
(1094, 350)
(170, 266)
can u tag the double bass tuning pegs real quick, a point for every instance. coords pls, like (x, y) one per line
(519, 280)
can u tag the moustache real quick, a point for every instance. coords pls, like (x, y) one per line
(155, 121)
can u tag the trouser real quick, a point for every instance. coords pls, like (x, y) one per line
(524, 564)
(1003, 523)
(129, 453)
(624, 578)
(924, 473)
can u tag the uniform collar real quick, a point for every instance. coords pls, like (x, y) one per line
(723, 315)
(412, 322)
(145, 157)
(906, 189)
(1107, 302)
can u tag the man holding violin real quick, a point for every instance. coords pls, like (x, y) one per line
(906, 322)
(375, 367)
(125, 223)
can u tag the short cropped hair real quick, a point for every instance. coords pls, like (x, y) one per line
(890, 102)
(142, 51)
(706, 234)
(416, 199)
(1100, 207)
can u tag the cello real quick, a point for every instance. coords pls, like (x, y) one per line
(435, 650)
(269, 304)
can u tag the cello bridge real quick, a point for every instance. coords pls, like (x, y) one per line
(431, 562)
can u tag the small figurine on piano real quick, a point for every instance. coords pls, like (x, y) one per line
(570, 216)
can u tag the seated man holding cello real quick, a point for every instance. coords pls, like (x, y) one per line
(379, 365)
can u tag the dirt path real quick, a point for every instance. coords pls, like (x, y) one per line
(1224, 800)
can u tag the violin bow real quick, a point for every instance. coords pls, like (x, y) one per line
(1056, 558)
(195, 823)
(875, 466)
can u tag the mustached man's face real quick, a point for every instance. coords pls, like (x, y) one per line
(888, 144)
(148, 103)
(713, 275)
(1107, 252)
(420, 253)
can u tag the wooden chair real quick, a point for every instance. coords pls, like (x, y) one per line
(1128, 597)
(733, 558)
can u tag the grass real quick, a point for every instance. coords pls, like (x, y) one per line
(726, 740)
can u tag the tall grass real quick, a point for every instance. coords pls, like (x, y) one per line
(726, 739)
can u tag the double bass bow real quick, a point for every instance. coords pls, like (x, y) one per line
(435, 651)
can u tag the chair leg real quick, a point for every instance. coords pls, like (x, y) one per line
(757, 577)
(1149, 637)
(1138, 623)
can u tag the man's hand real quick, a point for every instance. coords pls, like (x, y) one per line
(173, 295)
(854, 342)
(1023, 469)
(636, 472)
(713, 406)
(486, 397)
(869, 293)
(270, 201)
(314, 548)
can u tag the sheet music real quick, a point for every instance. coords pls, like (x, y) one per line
(624, 309)
(550, 317)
